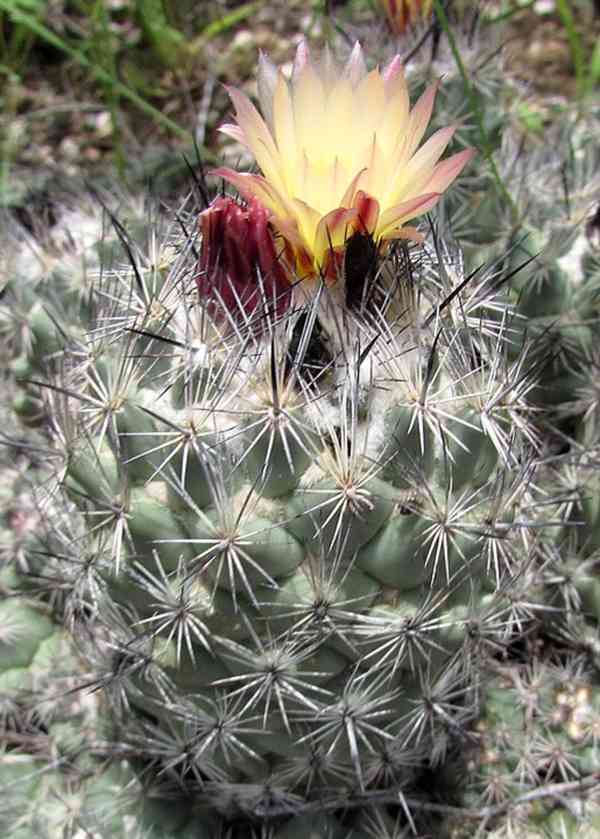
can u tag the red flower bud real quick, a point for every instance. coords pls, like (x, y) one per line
(239, 272)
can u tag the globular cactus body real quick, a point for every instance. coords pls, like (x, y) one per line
(282, 538)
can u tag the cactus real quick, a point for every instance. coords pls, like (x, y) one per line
(536, 746)
(55, 779)
(298, 518)
(50, 279)
(276, 526)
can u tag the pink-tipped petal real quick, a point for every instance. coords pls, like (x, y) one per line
(258, 138)
(393, 70)
(251, 122)
(446, 171)
(355, 68)
(419, 119)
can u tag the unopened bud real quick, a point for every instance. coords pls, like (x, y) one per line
(239, 273)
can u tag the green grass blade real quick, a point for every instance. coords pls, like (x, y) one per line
(563, 8)
(229, 20)
(594, 73)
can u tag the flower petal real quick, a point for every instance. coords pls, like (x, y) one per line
(413, 177)
(309, 99)
(396, 216)
(257, 137)
(301, 256)
(338, 150)
(255, 186)
(393, 71)
(348, 197)
(307, 219)
(355, 67)
(367, 208)
(446, 171)
(301, 59)
(410, 233)
(266, 81)
(285, 133)
(370, 101)
(332, 231)
(419, 120)
(429, 154)
(235, 132)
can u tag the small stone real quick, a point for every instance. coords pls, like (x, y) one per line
(243, 40)
(103, 126)
(69, 149)
(92, 154)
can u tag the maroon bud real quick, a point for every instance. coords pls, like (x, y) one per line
(239, 272)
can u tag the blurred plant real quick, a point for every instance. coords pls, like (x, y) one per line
(404, 13)
(21, 16)
(586, 77)
(16, 39)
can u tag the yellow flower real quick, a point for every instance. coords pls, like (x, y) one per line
(339, 152)
(404, 13)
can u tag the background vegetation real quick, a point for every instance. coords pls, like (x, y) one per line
(89, 86)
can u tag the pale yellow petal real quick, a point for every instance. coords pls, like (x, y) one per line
(308, 220)
(394, 121)
(376, 175)
(256, 186)
(319, 185)
(285, 134)
(266, 81)
(338, 131)
(309, 112)
(411, 177)
(258, 138)
(371, 99)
